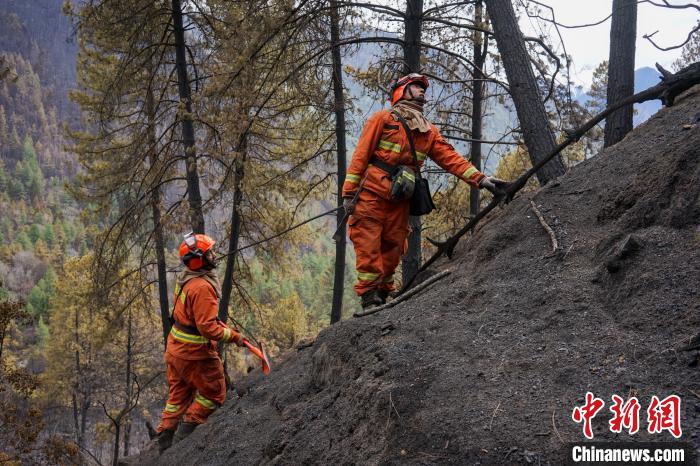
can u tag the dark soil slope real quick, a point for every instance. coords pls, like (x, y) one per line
(487, 365)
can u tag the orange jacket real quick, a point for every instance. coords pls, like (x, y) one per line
(197, 306)
(384, 138)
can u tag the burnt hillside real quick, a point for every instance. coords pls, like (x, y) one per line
(487, 365)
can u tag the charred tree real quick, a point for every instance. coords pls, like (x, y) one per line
(623, 33)
(227, 284)
(411, 52)
(339, 108)
(194, 196)
(479, 52)
(529, 106)
(157, 225)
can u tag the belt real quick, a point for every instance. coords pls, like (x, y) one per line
(386, 167)
(186, 328)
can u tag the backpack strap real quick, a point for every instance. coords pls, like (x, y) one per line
(407, 130)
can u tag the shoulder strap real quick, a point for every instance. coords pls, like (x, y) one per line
(177, 297)
(407, 130)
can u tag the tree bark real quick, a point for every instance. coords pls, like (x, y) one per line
(227, 285)
(117, 435)
(529, 106)
(623, 33)
(129, 391)
(479, 53)
(193, 192)
(339, 107)
(412, 34)
(157, 225)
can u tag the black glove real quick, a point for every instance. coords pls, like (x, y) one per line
(494, 185)
(349, 205)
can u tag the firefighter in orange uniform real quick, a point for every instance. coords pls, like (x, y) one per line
(194, 370)
(378, 226)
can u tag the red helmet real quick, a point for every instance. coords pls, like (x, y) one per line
(193, 248)
(399, 86)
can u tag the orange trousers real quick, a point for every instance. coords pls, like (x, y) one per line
(378, 229)
(197, 388)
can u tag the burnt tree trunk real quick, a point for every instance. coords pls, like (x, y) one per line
(479, 52)
(157, 225)
(194, 196)
(411, 53)
(339, 108)
(529, 106)
(126, 418)
(623, 33)
(227, 284)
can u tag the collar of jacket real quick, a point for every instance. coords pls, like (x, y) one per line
(209, 275)
(413, 113)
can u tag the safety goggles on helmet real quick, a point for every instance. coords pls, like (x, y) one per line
(411, 78)
(191, 240)
(194, 248)
(399, 86)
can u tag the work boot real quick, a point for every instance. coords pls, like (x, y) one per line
(371, 298)
(383, 295)
(165, 440)
(184, 430)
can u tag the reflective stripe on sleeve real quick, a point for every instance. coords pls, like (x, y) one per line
(367, 276)
(354, 179)
(207, 403)
(469, 172)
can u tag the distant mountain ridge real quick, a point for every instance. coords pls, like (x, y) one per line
(644, 78)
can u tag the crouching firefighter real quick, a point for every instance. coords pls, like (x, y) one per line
(385, 168)
(194, 370)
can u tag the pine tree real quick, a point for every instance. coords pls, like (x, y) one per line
(690, 52)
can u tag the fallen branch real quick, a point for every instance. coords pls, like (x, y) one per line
(405, 296)
(494, 414)
(556, 431)
(547, 228)
(667, 90)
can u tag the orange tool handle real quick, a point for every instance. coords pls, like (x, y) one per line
(260, 353)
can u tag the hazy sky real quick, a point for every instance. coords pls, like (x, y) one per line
(589, 46)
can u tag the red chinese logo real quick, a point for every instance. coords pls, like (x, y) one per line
(661, 415)
(624, 415)
(665, 415)
(587, 412)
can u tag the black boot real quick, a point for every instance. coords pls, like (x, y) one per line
(165, 440)
(383, 295)
(184, 430)
(371, 298)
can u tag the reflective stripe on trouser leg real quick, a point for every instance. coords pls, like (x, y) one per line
(179, 396)
(208, 378)
(394, 234)
(365, 234)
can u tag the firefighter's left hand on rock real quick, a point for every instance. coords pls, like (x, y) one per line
(496, 186)
(349, 205)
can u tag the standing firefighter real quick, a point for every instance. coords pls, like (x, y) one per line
(382, 164)
(194, 370)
